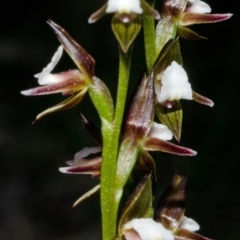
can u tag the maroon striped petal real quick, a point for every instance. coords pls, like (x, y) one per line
(91, 166)
(79, 55)
(203, 100)
(189, 18)
(155, 144)
(69, 82)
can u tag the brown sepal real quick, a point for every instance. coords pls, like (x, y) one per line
(156, 144)
(190, 18)
(80, 56)
(92, 129)
(141, 111)
(173, 7)
(171, 206)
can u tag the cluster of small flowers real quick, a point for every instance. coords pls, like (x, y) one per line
(165, 87)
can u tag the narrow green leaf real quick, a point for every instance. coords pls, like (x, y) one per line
(171, 117)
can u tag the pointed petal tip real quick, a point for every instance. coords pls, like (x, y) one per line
(196, 18)
(91, 20)
(26, 92)
(51, 22)
(71, 170)
(202, 100)
(155, 144)
(228, 15)
(186, 152)
(192, 153)
(157, 16)
(211, 104)
(222, 17)
(63, 169)
(54, 25)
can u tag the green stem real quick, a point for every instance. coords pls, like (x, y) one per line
(149, 39)
(111, 134)
(108, 172)
(123, 77)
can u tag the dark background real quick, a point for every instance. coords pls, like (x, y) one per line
(35, 198)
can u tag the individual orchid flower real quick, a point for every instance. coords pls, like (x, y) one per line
(171, 85)
(73, 82)
(148, 229)
(177, 14)
(125, 10)
(139, 125)
(187, 12)
(81, 165)
(171, 80)
(169, 222)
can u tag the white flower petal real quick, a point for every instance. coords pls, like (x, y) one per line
(124, 6)
(79, 156)
(148, 229)
(43, 77)
(160, 131)
(189, 224)
(175, 85)
(197, 6)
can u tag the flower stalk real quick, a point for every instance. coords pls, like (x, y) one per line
(111, 135)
